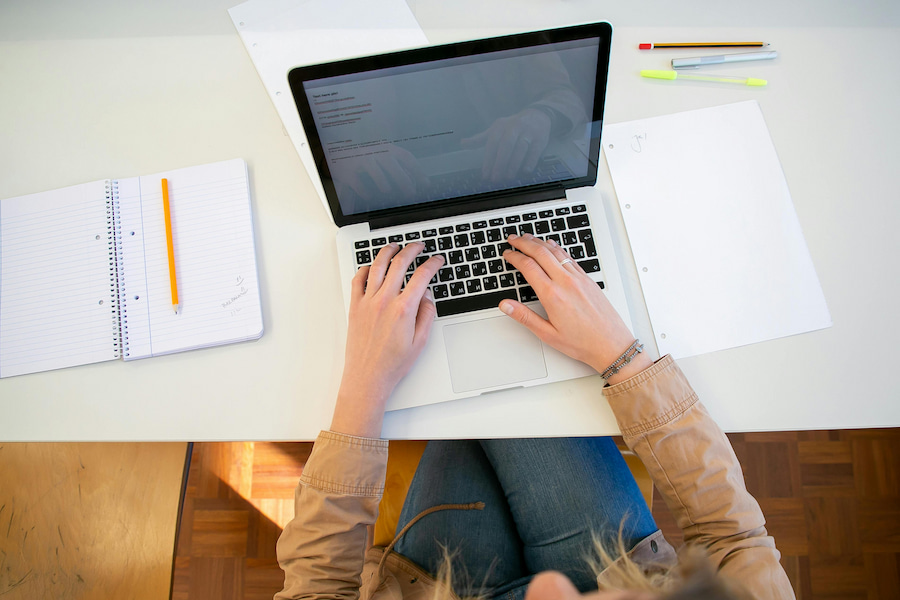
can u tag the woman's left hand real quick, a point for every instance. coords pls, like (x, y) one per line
(387, 330)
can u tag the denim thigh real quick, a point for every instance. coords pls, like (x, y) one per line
(486, 549)
(544, 499)
(562, 492)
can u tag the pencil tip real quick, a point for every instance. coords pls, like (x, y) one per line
(176, 308)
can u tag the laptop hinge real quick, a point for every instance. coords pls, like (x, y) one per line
(452, 210)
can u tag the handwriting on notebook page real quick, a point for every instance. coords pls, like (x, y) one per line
(239, 291)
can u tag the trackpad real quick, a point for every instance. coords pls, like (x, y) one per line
(492, 352)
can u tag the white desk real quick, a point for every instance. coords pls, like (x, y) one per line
(113, 89)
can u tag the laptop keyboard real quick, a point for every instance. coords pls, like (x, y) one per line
(474, 275)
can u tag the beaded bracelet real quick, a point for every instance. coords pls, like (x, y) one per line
(634, 349)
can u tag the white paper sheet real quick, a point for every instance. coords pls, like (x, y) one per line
(716, 241)
(282, 34)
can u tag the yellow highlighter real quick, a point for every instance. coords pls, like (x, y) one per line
(752, 81)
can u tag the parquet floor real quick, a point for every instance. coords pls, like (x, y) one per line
(831, 499)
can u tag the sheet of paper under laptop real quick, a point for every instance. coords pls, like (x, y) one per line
(282, 34)
(715, 237)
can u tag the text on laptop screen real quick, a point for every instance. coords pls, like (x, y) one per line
(456, 127)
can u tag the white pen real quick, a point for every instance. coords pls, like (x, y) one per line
(702, 61)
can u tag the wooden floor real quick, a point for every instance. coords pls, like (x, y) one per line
(831, 499)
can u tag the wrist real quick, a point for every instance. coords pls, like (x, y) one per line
(358, 412)
(616, 368)
(641, 361)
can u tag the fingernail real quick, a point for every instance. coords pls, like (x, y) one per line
(512, 236)
(506, 307)
(429, 295)
(527, 236)
(552, 243)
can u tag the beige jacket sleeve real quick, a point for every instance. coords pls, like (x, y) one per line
(695, 468)
(322, 549)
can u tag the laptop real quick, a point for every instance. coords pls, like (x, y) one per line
(458, 146)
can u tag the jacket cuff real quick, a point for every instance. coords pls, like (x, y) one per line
(346, 464)
(650, 399)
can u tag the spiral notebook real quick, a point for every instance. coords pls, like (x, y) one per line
(84, 272)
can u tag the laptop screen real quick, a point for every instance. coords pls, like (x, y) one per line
(463, 124)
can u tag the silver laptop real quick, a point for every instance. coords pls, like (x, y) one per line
(458, 146)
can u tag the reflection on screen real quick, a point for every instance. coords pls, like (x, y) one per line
(456, 127)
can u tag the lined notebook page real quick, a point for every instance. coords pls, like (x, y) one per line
(215, 260)
(56, 306)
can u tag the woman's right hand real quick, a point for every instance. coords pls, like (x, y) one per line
(580, 322)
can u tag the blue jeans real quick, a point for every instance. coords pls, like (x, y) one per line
(544, 498)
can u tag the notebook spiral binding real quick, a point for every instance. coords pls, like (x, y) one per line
(116, 270)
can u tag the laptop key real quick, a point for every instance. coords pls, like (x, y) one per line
(362, 244)
(430, 246)
(513, 219)
(602, 285)
(445, 243)
(590, 266)
(363, 257)
(479, 269)
(579, 208)
(456, 257)
(479, 224)
(463, 227)
(507, 280)
(477, 238)
(526, 228)
(510, 230)
(472, 255)
(529, 216)
(587, 238)
(490, 283)
(495, 222)
(563, 211)
(569, 238)
(412, 235)
(473, 286)
(542, 227)
(578, 221)
(495, 266)
(395, 238)
(503, 247)
(545, 214)
(455, 306)
(445, 230)
(461, 240)
(576, 252)
(429, 233)
(520, 279)
(445, 274)
(379, 241)
(489, 251)
(440, 291)
(526, 294)
(457, 288)
(558, 224)
(494, 235)
(462, 271)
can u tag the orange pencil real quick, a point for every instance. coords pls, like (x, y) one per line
(171, 248)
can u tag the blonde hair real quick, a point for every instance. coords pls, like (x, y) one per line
(692, 577)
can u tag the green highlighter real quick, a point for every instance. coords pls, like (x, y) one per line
(752, 81)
